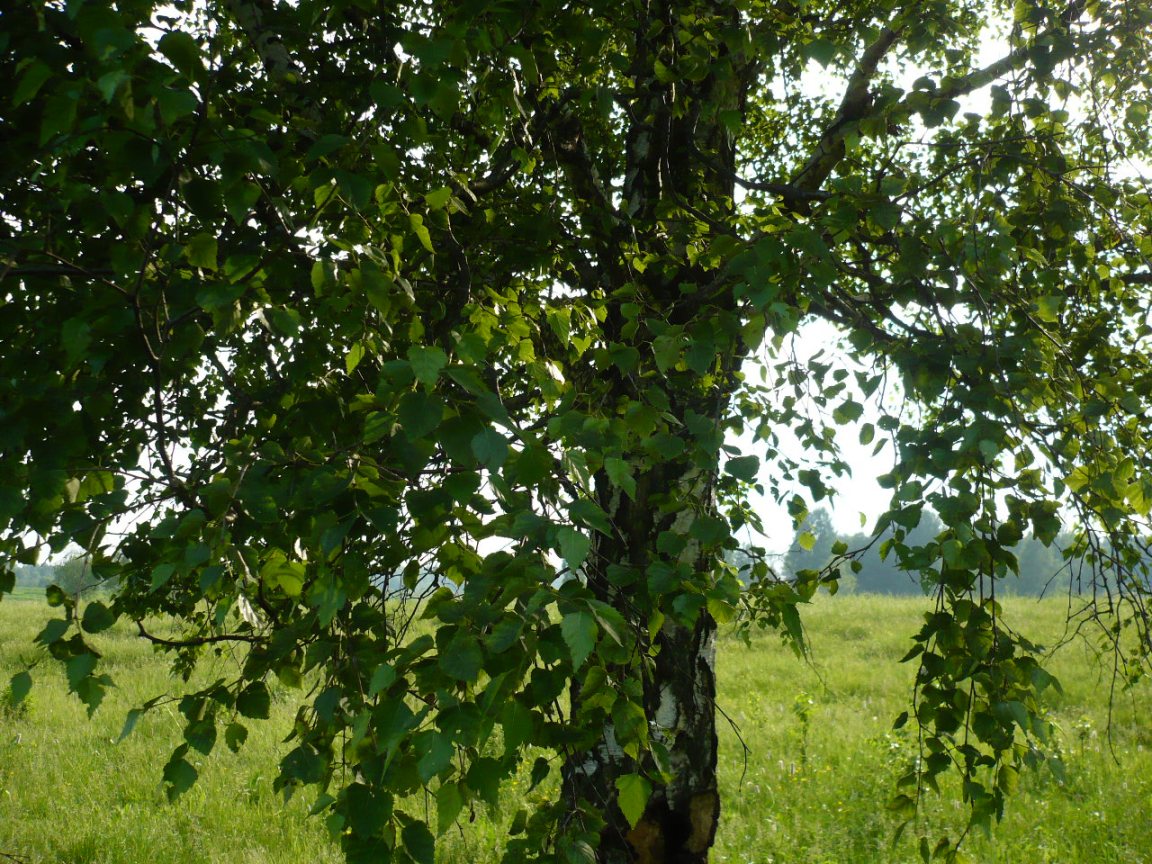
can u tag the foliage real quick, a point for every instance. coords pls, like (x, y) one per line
(813, 551)
(297, 297)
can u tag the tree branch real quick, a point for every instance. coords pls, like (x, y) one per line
(856, 104)
(857, 101)
(198, 641)
(54, 270)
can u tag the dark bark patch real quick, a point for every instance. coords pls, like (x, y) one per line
(703, 814)
(647, 842)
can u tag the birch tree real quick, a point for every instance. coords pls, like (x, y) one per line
(401, 350)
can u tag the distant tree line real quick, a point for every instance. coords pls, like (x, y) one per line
(1043, 569)
(73, 575)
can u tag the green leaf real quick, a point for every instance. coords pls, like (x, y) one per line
(588, 512)
(75, 336)
(449, 803)
(235, 734)
(438, 199)
(110, 82)
(353, 357)
(505, 634)
(34, 77)
(176, 104)
(620, 473)
(78, 668)
(743, 467)
(254, 701)
(289, 675)
(91, 690)
(421, 231)
(847, 411)
(885, 214)
(419, 413)
(303, 765)
(574, 546)
(59, 117)
(379, 288)
(201, 735)
(436, 754)
(427, 363)
(382, 679)
(367, 810)
(580, 631)
(288, 576)
(1048, 308)
(130, 720)
(667, 349)
(665, 445)
(633, 792)
(821, 50)
(560, 320)
(56, 596)
(183, 52)
(53, 631)
(97, 617)
(490, 447)
(518, 725)
(321, 275)
(240, 198)
(419, 842)
(201, 251)
(462, 658)
(484, 779)
(532, 464)
(578, 851)
(540, 770)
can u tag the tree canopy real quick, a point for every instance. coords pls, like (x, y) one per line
(313, 309)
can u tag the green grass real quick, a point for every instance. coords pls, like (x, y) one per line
(822, 760)
(824, 757)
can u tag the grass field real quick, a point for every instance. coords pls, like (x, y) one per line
(821, 763)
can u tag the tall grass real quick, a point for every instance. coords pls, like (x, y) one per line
(824, 758)
(811, 788)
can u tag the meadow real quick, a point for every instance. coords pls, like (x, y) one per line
(821, 761)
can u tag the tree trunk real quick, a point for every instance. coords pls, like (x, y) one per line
(679, 823)
(679, 173)
(679, 691)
